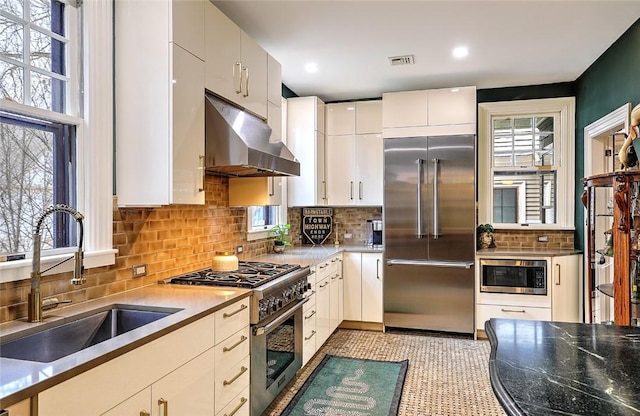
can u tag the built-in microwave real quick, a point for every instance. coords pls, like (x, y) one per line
(513, 276)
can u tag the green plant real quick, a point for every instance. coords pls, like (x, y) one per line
(281, 232)
(484, 228)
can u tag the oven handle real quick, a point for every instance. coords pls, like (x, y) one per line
(260, 330)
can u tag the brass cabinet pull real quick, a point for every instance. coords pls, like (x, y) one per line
(238, 65)
(310, 316)
(246, 82)
(324, 284)
(310, 336)
(513, 310)
(558, 275)
(243, 400)
(229, 315)
(144, 413)
(243, 370)
(165, 404)
(324, 265)
(242, 339)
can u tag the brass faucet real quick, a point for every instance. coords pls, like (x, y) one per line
(34, 300)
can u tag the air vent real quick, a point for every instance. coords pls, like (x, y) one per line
(401, 60)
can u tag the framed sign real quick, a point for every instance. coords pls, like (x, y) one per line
(317, 224)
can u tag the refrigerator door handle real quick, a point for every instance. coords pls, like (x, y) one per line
(436, 231)
(431, 263)
(419, 232)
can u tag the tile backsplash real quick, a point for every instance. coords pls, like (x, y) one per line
(529, 239)
(346, 220)
(170, 240)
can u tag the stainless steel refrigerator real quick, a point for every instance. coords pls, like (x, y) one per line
(429, 232)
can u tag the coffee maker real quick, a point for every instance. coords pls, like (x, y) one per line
(374, 233)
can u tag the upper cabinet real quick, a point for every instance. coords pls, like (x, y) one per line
(429, 112)
(306, 140)
(159, 102)
(236, 66)
(354, 153)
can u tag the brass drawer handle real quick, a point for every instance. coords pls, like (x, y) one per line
(243, 370)
(242, 339)
(310, 316)
(513, 310)
(229, 315)
(324, 284)
(165, 404)
(243, 400)
(310, 336)
(144, 413)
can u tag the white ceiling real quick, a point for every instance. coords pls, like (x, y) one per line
(511, 43)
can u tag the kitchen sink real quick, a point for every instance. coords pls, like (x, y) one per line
(81, 331)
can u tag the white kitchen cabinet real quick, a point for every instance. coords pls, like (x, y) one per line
(445, 111)
(274, 81)
(369, 117)
(323, 317)
(363, 287)
(159, 107)
(236, 66)
(309, 329)
(336, 289)
(561, 303)
(340, 119)
(238, 406)
(187, 17)
(151, 363)
(306, 140)
(354, 161)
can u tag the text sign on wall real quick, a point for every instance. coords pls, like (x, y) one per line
(317, 224)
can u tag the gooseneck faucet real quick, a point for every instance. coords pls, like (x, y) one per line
(34, 300)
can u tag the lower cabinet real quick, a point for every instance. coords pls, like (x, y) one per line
(199, 369)
(323, 317)
(363, 287)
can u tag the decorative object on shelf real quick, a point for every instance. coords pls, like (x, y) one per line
(484, 233)
(281, 232)
(628, 152)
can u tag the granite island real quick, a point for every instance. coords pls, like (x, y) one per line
(554, 368)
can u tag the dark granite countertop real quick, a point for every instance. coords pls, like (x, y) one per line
(554, 368)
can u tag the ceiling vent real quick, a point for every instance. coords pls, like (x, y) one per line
(401, 60)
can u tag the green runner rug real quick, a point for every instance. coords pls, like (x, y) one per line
(350, 386)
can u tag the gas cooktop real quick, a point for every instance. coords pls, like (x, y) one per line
(250, 274)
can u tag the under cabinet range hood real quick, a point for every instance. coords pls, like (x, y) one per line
(237, 143)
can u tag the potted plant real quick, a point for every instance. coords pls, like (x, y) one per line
(484, 233)
(281, 232)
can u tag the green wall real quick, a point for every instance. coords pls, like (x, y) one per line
(611, 81)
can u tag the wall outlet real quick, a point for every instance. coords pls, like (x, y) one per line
(239, 249)
(543, 239)
(348, 236)
(139, 270)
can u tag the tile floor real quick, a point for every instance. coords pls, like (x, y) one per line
(447, 375)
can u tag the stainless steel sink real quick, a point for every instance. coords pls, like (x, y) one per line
(81, 331)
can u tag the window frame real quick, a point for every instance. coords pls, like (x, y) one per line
(564, 158)
(90, 109)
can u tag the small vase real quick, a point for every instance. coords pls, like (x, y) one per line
(278, 248)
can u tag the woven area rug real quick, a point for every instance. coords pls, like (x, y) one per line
(342, 385)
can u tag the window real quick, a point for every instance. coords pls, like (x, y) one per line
(526, 155)
(262, 218)
(39, 155)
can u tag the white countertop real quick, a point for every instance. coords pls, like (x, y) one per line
(21, 379)
(543, 251)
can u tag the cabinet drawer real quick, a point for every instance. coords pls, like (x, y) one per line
(486, 312)
(238, 406)
(311, 278)
(232, 350)
(231, 383)
(322, 270)
(231, 319)
(311, 303)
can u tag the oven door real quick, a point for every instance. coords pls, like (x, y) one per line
(276, 356)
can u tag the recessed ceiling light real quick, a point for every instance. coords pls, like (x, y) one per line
(311, 67)
(460, 52)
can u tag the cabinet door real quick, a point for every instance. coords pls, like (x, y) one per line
(134, 405)
(342, 187)
(340, 292)
(372, 287)
(340, 119)
(323, 316)
(449, 106)
(334, 297)
(564, 283)
(222, 44)
(254, 76)
(309, 330)
(352, 270)
(188, 390)
(188, 127)
(274, 120)
(369, 117)
(369, 155)
(404, 109)
(188, 25)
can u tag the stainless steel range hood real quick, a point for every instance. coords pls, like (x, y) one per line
(237, 143)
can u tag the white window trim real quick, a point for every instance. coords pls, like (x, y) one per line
(95, 147)
(566, 157)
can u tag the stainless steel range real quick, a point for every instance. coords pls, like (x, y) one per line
(276, 321)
